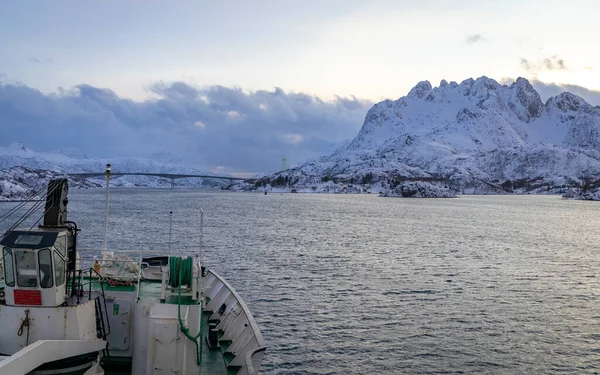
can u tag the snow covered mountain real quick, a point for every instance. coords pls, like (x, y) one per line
(72, 161)
(477, 136)
(20, 182)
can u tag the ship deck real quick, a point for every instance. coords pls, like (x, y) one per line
(212, 360)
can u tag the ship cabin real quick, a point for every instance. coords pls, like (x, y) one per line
(35, 264)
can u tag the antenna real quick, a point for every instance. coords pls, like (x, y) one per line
(283, 164)
(170, 228)
(201, 231)
(107, 173)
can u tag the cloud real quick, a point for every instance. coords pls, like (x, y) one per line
(548, 90)
(475, 38)
(41, 60)
(546, 63)
(554, 63)
(525, 64)
(213, 126)
(293, 138)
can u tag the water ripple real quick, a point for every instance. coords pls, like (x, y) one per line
(345, 284)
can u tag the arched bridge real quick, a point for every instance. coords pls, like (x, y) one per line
(172, 176)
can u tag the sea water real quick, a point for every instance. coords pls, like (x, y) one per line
(356, 284)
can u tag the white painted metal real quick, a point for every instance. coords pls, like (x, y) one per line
(44, 351)
(148, 318)
(169, 351)
(54, 295)
(119, 315)
(163, 285)
(57, 323)
(95, 370)
(236, 323)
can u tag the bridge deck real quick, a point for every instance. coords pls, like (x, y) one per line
(165, 175)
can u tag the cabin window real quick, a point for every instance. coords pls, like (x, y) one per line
(61, 245)
(59, 269)
(29, 239)
(9, 274)
(45, 267)
(26, 270)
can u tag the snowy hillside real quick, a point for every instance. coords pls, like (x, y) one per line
(73, 161)
(477, 137)
(19, 182)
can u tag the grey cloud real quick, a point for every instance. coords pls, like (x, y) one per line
(548, 90)
(215, 126)
(526, 64)
(41, 60)
(475, 38)
(554, 63)
(547, 63)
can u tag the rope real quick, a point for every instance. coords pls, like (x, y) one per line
(24, 323)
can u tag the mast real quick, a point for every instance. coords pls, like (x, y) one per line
(107, 173)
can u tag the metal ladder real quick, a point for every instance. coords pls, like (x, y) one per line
(101, 331)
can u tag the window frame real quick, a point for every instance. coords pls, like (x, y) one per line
(57, 258)
(35, 270)
(11, 267)
(49, 284)
(62, 250)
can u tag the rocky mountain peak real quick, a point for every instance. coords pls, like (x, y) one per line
(567, 102)
(420, 90)
(478, 130)
(18, 147)
(524, 101)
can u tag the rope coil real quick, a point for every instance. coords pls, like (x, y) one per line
(180, 271)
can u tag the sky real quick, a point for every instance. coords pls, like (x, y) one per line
(237, 85)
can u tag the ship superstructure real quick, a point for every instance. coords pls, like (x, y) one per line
(130, 312)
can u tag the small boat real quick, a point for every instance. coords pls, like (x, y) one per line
(130, 312)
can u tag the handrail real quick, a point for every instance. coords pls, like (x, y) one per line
(140, 253)
(150, 251)
(136, 257)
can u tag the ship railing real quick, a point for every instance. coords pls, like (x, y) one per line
(236, 323)
(130, 262)
(134, 257)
